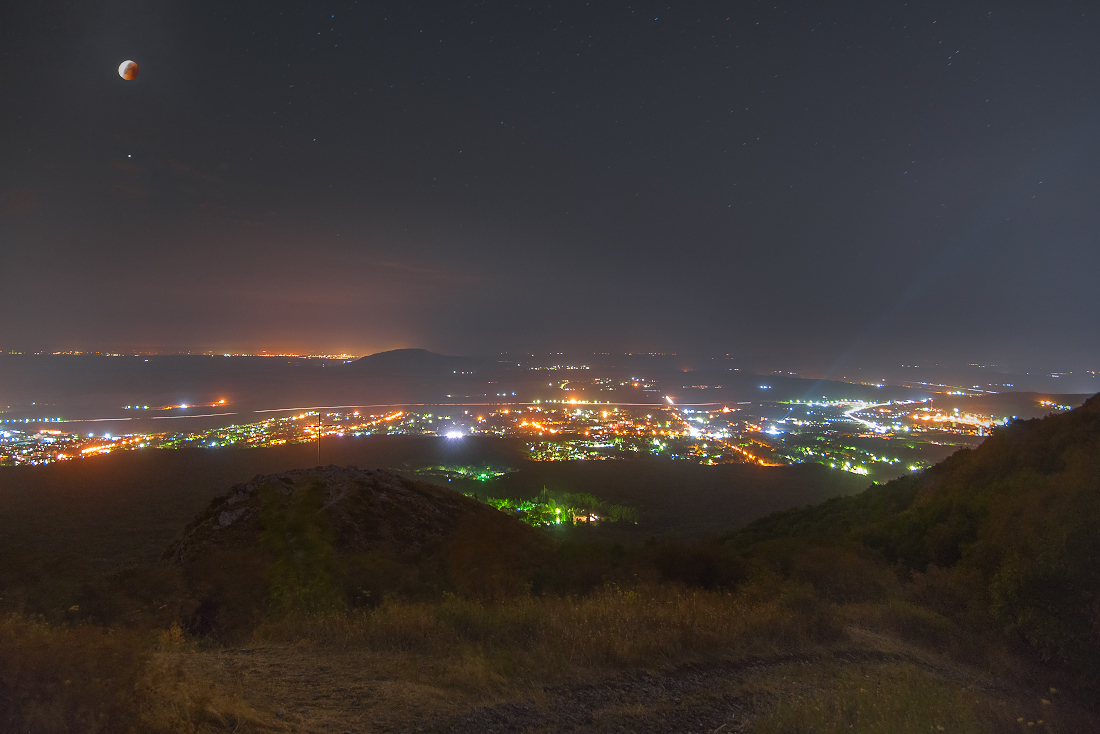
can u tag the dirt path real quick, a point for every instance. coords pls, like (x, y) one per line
(688, 698)
(722, 696)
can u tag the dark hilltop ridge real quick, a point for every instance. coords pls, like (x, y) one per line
(364, 510)
(331, 537)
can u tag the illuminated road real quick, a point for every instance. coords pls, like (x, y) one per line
(696, 433)
(870, 424)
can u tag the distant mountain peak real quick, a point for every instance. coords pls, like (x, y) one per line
(411, 361)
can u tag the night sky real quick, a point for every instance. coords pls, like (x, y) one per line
(818, 182)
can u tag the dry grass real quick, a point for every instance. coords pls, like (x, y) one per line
(92, 679)
(445, 656)
(901, 697)
(407, 664)
(482, 646)
(887, 699)
(403, 664)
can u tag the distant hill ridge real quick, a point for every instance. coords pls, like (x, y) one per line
(409, 362)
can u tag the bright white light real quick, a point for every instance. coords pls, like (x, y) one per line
(454, 434)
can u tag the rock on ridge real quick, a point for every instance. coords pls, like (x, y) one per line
(365, 510)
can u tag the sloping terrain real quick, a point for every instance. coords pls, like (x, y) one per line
(364, 511)
(334, 538)
(1003, 534)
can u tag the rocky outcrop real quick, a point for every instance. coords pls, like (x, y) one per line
(364, 511)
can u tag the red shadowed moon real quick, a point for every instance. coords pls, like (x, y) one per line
(128, 70)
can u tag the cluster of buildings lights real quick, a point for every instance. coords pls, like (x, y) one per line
(567, 428)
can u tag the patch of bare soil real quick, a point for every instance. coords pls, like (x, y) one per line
(308, 690)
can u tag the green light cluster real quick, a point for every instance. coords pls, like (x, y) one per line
(550, 509)
(476, 473)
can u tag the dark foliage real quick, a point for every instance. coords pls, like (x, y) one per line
(1006, 533)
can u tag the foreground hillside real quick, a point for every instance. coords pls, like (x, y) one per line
(329, 539)
(1006, 534)
(961, 599)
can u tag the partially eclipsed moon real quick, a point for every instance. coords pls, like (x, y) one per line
(128, 70)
